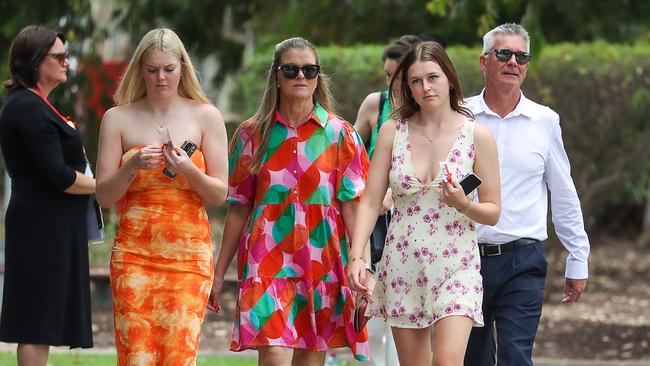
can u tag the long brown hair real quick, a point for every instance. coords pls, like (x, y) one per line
(262, 121)
(425, 51)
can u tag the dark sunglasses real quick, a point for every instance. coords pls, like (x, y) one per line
(61, 56)
(290, 71)
(504, 55)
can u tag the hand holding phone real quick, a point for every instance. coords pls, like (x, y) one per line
(470, 182)
(189, 147)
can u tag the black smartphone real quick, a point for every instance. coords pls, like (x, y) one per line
(470, 182)
(189, 147)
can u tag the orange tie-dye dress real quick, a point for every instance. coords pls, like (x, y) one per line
(161, 269)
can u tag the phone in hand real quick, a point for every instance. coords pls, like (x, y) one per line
(189, 147)
(470, 182)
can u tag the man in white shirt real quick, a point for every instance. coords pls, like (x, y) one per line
(533, 163)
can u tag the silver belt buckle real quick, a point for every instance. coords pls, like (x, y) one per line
(498, 246)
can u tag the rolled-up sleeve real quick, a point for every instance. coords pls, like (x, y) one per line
(241, 182)
(352, 165)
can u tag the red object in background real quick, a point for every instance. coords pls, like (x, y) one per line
(103, 79)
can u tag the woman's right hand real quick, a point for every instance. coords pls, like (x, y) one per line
(148, 158)
(356, 274)
(215, 295)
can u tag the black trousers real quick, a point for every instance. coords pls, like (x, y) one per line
(513, 285)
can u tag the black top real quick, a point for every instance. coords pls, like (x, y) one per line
(46, 295)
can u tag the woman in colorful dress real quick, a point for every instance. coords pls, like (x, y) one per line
(429, 273)
(161, 263)
(297, 172)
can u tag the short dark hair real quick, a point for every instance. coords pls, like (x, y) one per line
(26, 54)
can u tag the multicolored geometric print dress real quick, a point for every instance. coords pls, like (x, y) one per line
(292, 290)
(431, 264)
(161, 269)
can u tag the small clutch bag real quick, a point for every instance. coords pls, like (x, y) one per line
(360, 318)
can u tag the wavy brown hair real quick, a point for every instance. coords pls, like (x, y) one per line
(425, 51)
(262, 121)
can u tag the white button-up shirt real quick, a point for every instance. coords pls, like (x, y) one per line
(533, 162)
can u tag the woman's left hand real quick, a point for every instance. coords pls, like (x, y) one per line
(453, 195)
(356, 274)
(177, 159)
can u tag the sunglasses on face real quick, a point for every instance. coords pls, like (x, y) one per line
(290, 71)
(504, 55)
(61, 56)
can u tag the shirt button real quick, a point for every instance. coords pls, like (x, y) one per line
(295, 171)
(295, 151)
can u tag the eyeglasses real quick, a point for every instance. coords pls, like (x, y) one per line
(504, 55)
(61, 56)
(290, 71)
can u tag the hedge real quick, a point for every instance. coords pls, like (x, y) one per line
(600, 90)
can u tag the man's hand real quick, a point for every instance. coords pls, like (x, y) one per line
(573, 289)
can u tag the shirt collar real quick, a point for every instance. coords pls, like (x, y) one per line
(318, 115)
(524, 107)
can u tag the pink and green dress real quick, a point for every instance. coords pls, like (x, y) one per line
(293, 250)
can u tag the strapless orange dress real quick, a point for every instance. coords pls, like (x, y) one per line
(161, 269)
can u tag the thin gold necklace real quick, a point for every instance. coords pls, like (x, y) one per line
(435, 135)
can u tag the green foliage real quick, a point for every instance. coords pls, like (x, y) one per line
(600, 90)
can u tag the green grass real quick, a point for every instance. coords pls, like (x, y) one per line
(78, 359)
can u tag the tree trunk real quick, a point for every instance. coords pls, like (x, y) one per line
(644, 238)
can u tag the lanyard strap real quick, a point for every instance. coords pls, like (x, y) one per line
(38, 92)
(67, 120)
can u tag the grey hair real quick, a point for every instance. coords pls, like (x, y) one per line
(507, 28)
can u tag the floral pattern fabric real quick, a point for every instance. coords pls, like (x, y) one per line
(430, 266)
(161, 269)
(292, 290)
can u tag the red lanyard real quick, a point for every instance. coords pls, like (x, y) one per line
(65, 119)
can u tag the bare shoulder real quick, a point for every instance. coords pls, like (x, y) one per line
(119, 116)
(482, 134)
(372, 101)
(207, 114)
(387, 131)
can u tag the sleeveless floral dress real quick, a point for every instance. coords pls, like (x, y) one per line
(430, 267)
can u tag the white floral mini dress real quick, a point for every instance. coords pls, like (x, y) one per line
(430, 266)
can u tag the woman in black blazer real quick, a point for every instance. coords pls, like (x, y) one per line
(46, 298)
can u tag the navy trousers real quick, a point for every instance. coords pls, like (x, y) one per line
(513, 285)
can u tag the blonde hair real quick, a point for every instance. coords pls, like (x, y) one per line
(263, 118)
(131, 87)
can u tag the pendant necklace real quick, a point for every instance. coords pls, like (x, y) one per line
(161, 126)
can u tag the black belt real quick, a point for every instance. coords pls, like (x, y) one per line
(491, 250)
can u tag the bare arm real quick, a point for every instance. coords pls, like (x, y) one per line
(232, 231)
(486, 166)
(114, 179)
(213, 185)
(82, 185)
(367, 116)
(371, 204)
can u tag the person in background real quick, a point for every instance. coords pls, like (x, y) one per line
(161, 263)
(46, 296)
(429, 274)
(532, 162)
(297, 172)
(373, 112)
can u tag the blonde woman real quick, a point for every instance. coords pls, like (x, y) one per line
(297, 172)
(161, 263)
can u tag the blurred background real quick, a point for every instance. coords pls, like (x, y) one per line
(591, 63)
